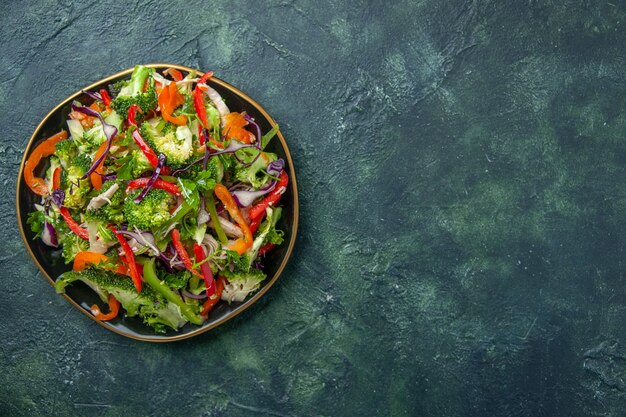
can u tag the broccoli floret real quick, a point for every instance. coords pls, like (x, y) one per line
(241, 284)
(151, 213)
(76, 190)
(146, 101)
(254, 174)
(140, 163)
(132, 93)
(113, 211)
(177, 279)
(155, 310)
(133, 165)
(72, 244)
(176, 145)
(66, 150)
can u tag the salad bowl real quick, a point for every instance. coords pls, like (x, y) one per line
(51, 263)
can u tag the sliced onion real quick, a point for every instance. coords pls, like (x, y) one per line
(145, 239)
(109, 130)
(229, 228)
(194, 296)
(100, 200)
(245, 198)
(95, 96)
(49, 235)
(215, 97)
(153, 179)
(203, 215)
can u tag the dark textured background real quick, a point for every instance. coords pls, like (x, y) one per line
(461, 168)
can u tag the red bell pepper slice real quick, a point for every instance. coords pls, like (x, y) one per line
(114, 309)
(198, 99)
(180, 249)
(44, 149)
(211, 301)
(159, 183)
(257, 211)
(147, 150)
(130, 258)
(207, 274)
(265, 249)
(74, 227)
(132, 112)
(106, 99)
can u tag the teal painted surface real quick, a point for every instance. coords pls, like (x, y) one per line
(461, 169)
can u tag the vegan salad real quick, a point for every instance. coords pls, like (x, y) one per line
(162, 199)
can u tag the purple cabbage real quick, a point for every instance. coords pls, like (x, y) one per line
(109, 130)
(153, 179)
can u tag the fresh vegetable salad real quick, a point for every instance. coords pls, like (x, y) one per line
(162, 199)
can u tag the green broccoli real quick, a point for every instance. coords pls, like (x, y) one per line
(155, 310)
(113, 211)
(241, 284)
(72, 244)
(254, 174)
(66, 150)
(177, 279)
(132, 93)
(151, 213)
(76, 190)
(176, 145)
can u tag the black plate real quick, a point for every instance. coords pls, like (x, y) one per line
(51, 263)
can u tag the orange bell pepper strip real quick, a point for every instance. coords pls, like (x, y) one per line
(233, 128)
(96, 176)
(56, 178)
(242, 244)
(174, 73)
(130, 259)
(44, 149)
(212, 300)
(169, 99)
(114, 309)
(106, 99)
(86, 258)
(184, 256)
